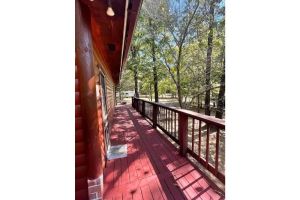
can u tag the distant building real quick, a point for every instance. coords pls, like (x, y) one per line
(128, 93)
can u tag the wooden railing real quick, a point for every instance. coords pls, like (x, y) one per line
(202, 136)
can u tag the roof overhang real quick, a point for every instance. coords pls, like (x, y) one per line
(112, 35)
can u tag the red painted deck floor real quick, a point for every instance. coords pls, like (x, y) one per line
(153, 169)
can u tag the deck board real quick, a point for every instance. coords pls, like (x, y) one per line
(153, 168)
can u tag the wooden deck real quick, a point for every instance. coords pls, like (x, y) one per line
(153, 169)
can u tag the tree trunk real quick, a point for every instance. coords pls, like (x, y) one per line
(208, 59)
(178, 77)
(198, 103)
(179, 88)
(150, 92)
(135, 71)
(221, 96)
(136, 90)
(155, 79)
(155, 83)
(201, 106)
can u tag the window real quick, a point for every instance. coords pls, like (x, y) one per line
(103, 86)
(104, 112)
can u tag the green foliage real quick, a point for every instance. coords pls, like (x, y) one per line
(179, 30)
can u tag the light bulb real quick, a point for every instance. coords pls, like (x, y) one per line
(110, 11)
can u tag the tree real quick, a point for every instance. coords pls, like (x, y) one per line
(155, 78)
(178, 24)
(209, 53)
(134, 56)
(221, 96)
(179, 50)
(126, 83)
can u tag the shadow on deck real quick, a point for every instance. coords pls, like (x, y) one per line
(153, 169)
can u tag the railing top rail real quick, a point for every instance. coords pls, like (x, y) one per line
(209, 119)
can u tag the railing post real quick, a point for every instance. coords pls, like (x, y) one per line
(183, 133)
(138, 105)
(154, 115)
(143, 108)
(132, 102)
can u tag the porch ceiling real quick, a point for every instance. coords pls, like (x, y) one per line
(107, 32)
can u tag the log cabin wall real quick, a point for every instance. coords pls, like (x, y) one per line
(81, 188)
(90, 111)
(98, 42)
(101, 68)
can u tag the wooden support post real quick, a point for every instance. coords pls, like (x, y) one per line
(143, 108)
(132, 102)
(136, 105)
(93, 130)
(183, 133)
(154, 115)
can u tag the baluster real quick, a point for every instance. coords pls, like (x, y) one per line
(207, 143)
(172, 133)
(168, 120)
(165, 124)
(158, 115)
(150, 112)
(199, 147)
(193, 135)
(162, 117)
(217, 151)
(175, 125)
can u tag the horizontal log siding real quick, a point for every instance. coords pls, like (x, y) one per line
(110, 94)
(100, 66)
